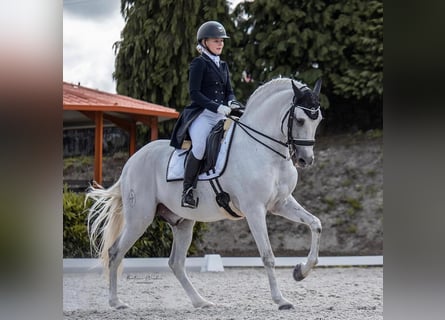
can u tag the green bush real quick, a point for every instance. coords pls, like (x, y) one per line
(76, 243)
(155, 242)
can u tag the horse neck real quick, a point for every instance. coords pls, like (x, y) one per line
(265, 113)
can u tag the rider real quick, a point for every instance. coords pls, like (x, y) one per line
(212, 98)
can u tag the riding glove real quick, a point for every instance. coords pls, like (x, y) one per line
(225, 110)
(233, 104)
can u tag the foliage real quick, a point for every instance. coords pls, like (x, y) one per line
(72, 162)
(359, 30)
(157, 44)
(155, 242)
(342, 41)
(278, 38)
(76, 243)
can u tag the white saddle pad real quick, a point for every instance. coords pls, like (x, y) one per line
(175, 168)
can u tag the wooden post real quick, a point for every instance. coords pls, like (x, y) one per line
(154, 128)
(98, 146)
(132, 133)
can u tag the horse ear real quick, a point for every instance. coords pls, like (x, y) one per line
(317, 87)
(297, 92)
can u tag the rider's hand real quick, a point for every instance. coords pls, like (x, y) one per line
(225, 110)
(235, 105)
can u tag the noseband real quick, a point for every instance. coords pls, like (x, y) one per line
(291, 143)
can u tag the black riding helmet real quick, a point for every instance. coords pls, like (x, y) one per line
(211, 29)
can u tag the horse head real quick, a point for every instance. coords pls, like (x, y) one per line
(303, 119)
(270, 103)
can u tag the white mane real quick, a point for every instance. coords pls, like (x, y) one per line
(273, 86)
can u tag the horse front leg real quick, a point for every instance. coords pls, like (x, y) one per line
(292, 210)
(257, 224)
(182, 238)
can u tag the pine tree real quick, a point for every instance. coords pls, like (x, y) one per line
(156, 47)
(278, 38)
(359, 33)
(340, 41)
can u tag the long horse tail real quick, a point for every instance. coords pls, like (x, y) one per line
(105, 219)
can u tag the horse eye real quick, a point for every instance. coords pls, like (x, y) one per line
(300, 121)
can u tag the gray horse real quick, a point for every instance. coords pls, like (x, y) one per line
(278, 134)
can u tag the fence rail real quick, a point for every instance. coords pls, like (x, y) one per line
(214, 262)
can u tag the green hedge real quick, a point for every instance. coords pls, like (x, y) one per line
(155, 242)
(76, 243)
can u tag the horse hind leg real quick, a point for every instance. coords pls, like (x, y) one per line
(182, 238)
(131, 232)
(115, 259)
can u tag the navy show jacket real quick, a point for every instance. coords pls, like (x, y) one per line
(209, 87)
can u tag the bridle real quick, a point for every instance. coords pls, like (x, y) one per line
(291, 143)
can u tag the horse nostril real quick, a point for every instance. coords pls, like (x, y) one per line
(301, 162)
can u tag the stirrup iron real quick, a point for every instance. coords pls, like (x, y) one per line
(187, 199)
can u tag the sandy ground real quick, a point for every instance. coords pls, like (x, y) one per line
(239, 293)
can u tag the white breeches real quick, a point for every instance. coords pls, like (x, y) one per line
(200, 129)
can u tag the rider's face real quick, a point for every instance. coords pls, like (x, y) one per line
(215, 45)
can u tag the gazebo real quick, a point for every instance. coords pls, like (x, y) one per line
(85, 107)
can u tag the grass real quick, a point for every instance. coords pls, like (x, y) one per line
(73, 162)
(81, 161)
(352, 228)
(330, 202)
(354, 203)
(376, 133)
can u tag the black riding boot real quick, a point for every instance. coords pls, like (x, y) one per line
(190, 179)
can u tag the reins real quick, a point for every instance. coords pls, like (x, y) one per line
(290, 143)
(245, 127)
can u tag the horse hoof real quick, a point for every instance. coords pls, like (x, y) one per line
(204, 304)
(298, 275)
(286, 306)
(208, 305)
(118, 305)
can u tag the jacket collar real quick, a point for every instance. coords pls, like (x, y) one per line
(215, 67)
(215, 59)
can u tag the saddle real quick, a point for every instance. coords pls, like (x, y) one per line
(213, 145)
(219, 150)
(209, 171)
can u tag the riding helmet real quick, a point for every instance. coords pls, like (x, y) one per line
(211, 29)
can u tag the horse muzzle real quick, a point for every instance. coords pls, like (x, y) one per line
(301, 161)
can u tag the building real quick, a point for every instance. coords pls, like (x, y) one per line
(88, 108)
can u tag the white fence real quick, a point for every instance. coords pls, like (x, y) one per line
(214, 263)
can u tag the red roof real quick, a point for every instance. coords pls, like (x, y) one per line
(76, 97)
